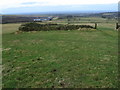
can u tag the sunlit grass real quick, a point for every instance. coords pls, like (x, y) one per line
(71, 59)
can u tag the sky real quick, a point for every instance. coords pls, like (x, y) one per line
(29, 6)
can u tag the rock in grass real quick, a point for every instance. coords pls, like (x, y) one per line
(40, 58)
(54, 70)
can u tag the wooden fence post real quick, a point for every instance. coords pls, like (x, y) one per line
(117, 26)
(95, 25)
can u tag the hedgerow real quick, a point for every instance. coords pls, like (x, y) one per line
(48, 27)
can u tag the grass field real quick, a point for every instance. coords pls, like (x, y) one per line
(60, 59)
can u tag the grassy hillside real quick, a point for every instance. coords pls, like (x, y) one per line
(60, 59)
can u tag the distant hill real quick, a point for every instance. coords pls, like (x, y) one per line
(29, 18)
(105, 15)
(15, 19)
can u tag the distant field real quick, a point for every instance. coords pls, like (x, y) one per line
(86, 20)
(10, 28)
(59, 59)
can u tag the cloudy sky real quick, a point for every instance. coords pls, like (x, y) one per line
(22, 6)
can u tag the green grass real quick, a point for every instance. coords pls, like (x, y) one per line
(72, 59)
